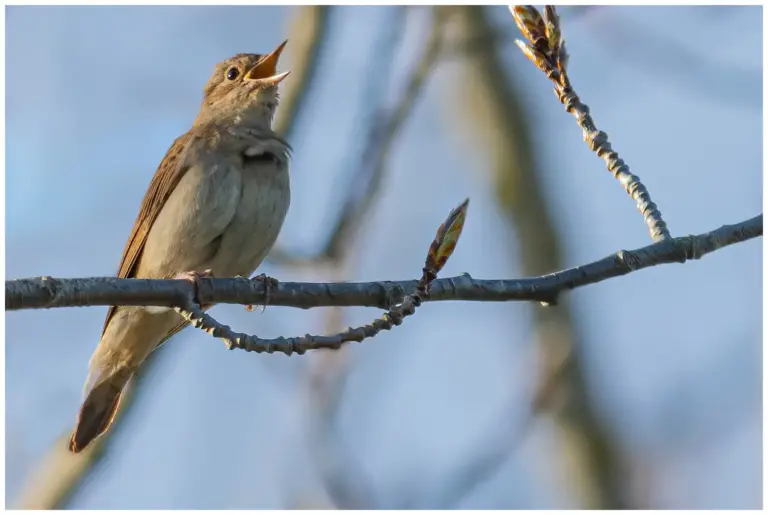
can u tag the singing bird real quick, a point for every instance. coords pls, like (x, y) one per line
(214, 207)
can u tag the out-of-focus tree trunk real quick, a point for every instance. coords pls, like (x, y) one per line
(491, 109)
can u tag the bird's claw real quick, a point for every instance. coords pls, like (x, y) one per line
(269, 283)
(194, 278)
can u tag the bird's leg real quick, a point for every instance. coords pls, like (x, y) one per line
(269, 283)
(194, 278)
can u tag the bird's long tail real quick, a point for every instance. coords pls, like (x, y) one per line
(98, 410)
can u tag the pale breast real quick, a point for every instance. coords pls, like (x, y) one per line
(265, 197)
(185, 235)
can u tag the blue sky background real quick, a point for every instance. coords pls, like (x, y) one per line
(94, 97)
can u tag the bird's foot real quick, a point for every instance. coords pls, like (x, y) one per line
(194, 278)
(269, 283)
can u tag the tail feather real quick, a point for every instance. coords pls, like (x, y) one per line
(97, 412)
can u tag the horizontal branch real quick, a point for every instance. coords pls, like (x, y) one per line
(48, 292)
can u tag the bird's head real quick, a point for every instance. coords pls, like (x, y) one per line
(243, 89)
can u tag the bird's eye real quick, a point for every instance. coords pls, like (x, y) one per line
(232, 73)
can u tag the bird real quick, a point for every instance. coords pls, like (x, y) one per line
(214, 207)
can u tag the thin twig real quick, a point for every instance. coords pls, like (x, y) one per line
(440, 250)
(299, 344)
(48, 292)
(546, 49)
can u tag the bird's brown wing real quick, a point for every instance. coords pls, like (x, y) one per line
(167, 176)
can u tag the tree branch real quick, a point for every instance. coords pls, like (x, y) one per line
(48, 292)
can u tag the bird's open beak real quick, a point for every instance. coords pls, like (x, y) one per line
(265, 70)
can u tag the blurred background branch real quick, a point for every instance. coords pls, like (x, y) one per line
(60, 473)
(308, 34)
(346, 483)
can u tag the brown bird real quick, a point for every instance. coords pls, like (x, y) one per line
(214, 206)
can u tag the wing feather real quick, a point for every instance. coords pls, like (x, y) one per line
(167, 176)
